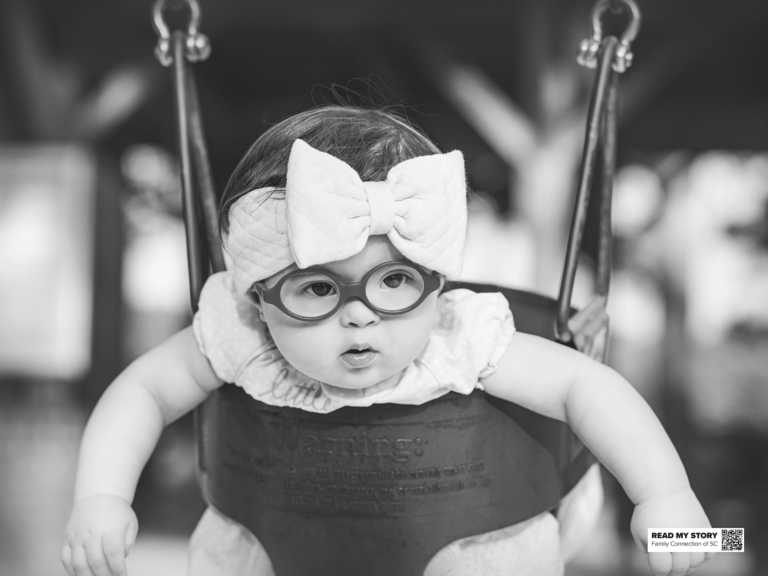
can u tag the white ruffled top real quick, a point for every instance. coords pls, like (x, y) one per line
(469, 336)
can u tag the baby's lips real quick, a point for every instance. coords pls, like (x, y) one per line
(360, 347)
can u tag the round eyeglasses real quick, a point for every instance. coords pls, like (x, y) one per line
(314, 294)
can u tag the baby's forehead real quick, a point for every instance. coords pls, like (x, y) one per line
(377, 250)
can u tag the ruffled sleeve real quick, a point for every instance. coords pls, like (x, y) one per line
(228, 329)
(471, 333)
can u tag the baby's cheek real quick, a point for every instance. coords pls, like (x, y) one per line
(410, 342)
(287, 342)
(305, 351)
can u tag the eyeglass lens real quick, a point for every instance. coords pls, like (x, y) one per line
(393, 287)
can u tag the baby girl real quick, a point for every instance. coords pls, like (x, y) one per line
(342, 226)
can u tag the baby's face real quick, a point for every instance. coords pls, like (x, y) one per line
(323, 349)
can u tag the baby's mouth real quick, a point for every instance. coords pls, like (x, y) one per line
(359, 356)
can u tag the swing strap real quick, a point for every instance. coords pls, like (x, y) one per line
(174, 50)
(610, 56)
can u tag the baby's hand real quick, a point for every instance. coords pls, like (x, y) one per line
(99, 535)
(679, 510)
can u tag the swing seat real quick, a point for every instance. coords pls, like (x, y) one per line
(380, 490)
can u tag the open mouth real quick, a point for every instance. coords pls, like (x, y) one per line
(359, 349)
(359, 356)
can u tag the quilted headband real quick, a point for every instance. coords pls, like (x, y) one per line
(326, 213)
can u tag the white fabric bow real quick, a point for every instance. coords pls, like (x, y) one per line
(327, 214)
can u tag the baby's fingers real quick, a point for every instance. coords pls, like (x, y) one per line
(697, 559)
(660, 563)
(114, 552)
(681, 561)
(80, 562)
(95, 555)
(130, 536)
(66, 559)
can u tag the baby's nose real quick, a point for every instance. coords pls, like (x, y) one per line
(357, 315)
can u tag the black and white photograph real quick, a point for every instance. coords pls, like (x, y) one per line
(383, 288)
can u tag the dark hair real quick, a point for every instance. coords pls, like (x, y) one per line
(371, 141)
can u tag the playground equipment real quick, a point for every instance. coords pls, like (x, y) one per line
(380, 490)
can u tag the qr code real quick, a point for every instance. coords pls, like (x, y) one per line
(733, 540)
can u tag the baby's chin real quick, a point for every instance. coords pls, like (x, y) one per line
(355, 383)
(339, 375)
(360, 389)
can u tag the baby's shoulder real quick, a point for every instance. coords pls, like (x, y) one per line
(471, 332)
(227, 327)
(220, 302)
(463, 310)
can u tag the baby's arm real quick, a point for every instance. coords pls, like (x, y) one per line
(121, 434)
(617, 425)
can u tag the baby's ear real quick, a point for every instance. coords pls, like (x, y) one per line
(249, 310)
(253, 296)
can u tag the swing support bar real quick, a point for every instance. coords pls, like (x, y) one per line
(610, 56)
(174, 50)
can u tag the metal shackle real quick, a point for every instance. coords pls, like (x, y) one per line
(198, 47)
(587, 55)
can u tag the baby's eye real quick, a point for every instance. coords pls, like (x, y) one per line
(321, 288)
(394, 280)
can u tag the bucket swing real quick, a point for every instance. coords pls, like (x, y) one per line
(380, 490)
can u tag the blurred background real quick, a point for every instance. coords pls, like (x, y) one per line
(92, 257)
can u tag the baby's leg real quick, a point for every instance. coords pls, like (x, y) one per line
(530, 548)
(222, 547)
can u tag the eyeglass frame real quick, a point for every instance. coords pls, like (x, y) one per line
(346, 290)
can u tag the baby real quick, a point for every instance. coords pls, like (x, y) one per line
(343, 225)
